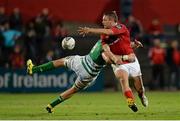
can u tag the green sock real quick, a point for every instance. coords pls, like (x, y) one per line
(56, 101)
(43, 67)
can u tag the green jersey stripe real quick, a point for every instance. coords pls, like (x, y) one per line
(88, 57)
(89, 69)
(90, 66)
(86, 68)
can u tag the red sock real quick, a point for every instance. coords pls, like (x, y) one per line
(129, 94)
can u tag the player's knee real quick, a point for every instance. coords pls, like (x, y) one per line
(121, 74)
(75, 89)
(59, 62)
(80, 85)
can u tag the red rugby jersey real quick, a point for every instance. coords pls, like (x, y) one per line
(119, 42)
(157, 55)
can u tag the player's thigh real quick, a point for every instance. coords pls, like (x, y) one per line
(120, 71)
(134, 69)
(72, 62)
(122, 74)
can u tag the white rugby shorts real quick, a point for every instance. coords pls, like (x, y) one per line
(75, 63)
(133, 69)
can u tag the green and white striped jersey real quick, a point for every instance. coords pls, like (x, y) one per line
(93, 62)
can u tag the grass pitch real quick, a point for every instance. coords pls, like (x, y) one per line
(84, 106)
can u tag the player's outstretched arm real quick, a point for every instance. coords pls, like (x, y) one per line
(86, 30)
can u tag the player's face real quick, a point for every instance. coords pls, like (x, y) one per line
(107, 22)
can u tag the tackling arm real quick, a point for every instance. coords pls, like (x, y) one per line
(109, 57)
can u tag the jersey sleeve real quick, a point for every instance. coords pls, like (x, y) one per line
(118, 29)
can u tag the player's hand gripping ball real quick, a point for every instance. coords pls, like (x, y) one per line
(68, 43)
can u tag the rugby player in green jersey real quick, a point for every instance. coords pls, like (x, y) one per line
(86, 68)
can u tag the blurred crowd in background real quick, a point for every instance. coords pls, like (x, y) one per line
(36, 39)
(39, 40)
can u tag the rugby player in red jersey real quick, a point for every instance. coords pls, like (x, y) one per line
(117, 48)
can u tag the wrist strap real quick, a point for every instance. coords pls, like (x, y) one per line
(125, 57)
